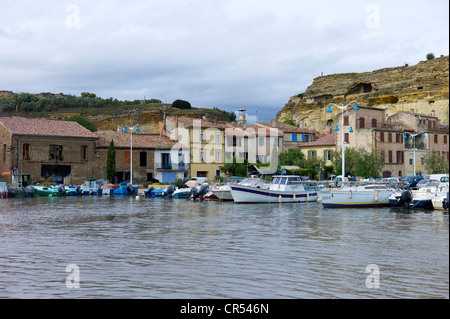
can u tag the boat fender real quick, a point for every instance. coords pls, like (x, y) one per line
(350, 194)
(280, 199)
(216, 185)
(376, 196)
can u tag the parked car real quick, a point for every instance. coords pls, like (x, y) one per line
(411, 181)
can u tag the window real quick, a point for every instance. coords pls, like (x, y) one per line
(381, 136)
(445, 139)
(261, 141)
(399, 157)
(55, 152)
(202, 137)
(143, 159)
(398, 138)
(84, 156)
(312, 154)
(165, 161)
(26, 152)
(218, 156)
(217, 172)
(202, 156)
(305, 138)
(362, 123)
(390, 156)
(422, 159)
(218, 138)
(390, 137)
(346, 137)
(382, 156)
(327, 155)
(202, 174)
(435, 138)
(345, 120)
(294, 137)
(374, 122)
(411, 158)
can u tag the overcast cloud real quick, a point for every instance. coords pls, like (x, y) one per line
(230, 54)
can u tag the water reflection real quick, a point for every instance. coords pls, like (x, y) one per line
(155, 248)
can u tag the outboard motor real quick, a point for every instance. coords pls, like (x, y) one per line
(405, 199)
(202, 192)
(130, 188)
(168, 191)
(79, 191)
(148, 192)
(193, 193)
(61, 189)
(445, 203)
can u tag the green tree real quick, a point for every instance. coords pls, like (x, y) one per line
(292, 157)
(111, 162)
(236, 169)
(359, 162)
(181, 104)
(80, 120)
(430, 56)
(436, 164)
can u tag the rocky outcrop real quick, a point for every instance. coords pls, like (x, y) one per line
(422, 87)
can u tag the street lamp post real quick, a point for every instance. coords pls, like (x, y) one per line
(131, 128)
(343, 108)
(414, 146)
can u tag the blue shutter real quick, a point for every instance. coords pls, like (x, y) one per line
(303, 138)
(294, 137)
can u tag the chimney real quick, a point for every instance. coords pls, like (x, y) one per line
(274, 122)
(433, 113)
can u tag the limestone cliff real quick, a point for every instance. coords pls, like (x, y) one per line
(422, 87)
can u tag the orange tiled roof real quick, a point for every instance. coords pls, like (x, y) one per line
(329, 139)
(149, 140)
(41, 127)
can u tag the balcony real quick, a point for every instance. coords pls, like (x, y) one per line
(172, 167)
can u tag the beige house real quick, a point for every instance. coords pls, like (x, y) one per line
(205, 141)
(35, 148)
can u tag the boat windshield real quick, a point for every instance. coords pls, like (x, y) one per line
(445, 179)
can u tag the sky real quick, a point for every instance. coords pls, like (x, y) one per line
(231, 54)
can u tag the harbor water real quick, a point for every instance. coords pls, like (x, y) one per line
(122, 247)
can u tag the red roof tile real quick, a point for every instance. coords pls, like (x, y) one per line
(41, 127)
(329, 139)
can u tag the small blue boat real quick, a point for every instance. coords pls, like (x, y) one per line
(125, 189)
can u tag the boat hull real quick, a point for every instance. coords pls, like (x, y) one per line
(46, 191)
(248, 195)
(354, 199)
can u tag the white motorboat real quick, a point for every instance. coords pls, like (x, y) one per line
(372, 195)
(428, 191)
(282, 189)
(441, 201)
(219, 192)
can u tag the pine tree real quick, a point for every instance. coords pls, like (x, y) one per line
(111, 162)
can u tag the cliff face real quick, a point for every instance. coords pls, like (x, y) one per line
(422, 87)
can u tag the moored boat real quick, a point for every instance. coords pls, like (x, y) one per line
(3, 190)
(48, 190)
(19, 191)
(282, 189)
(373, 195)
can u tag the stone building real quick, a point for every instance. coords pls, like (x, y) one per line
(35, 148)
(369, 129)
(153, 156)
